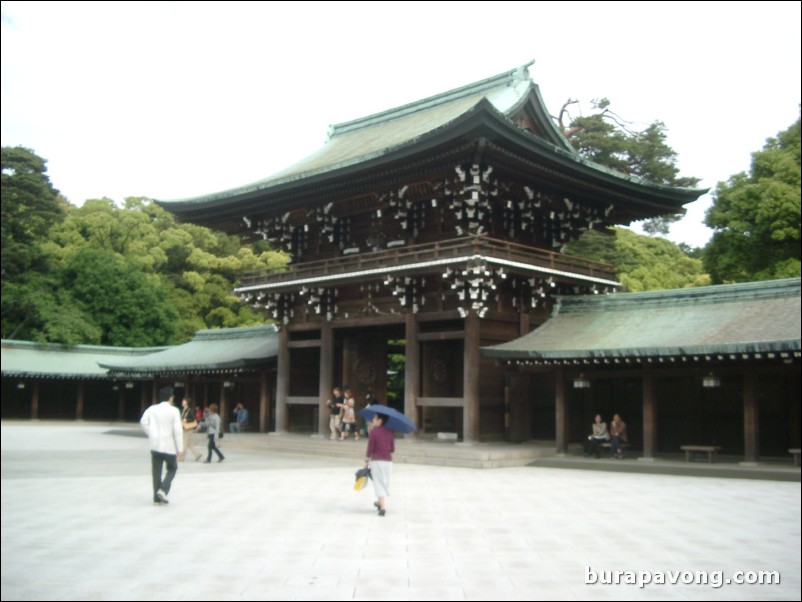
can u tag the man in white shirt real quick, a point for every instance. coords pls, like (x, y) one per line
(162, 423)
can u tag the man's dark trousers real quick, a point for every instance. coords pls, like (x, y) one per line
(157, 460)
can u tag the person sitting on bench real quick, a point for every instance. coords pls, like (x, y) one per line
(618, 435)
(598, 436)
(242, 420)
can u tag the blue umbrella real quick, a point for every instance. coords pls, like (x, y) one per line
(395, 420)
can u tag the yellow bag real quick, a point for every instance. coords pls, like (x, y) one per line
(362, 476)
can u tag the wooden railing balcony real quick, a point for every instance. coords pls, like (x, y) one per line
(422, 258)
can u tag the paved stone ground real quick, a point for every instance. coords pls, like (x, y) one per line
(78, 524)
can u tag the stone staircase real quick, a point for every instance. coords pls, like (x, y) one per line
(411, 451)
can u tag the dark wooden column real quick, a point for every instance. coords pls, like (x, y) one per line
(223, 403)
(35, 400)
(412, 369)
(561, 411)
(649, 415)
(523, 324)
(507, 408)
(121, 402)
(264, 401)
(189, 389)
(143, 397)
(283, 381)
(470, 379)
(751, 417)
(79, 401)
(326, 372)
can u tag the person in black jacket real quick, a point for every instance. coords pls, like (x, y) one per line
(334, 406)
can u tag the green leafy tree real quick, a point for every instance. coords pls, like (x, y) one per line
(604, 138)
(37, 308)
(756, 216)
(642, 263)
(30, 205)
(66, 269)
(196, 267)
(127, 306)
(32, 306)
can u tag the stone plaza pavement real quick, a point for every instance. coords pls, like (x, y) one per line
(78, 524)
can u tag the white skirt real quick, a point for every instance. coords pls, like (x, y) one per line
(380, 473)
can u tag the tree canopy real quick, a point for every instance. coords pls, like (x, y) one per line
(605, 138)
(756, 216)
(114, 275)
(642, 263)
(30, 205)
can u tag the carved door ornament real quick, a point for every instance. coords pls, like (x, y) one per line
(365, 371)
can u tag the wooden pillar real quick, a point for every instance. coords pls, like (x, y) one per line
(412, 369)
(751, 417)
(649, 415)
(470, 379)
(154, 392)
(35, 400)
(264, 401)
(224, 415)
(283, 381)
(143, 397)
(120, 402)
(561, 411)
(523, 323)
(189, 389)
(79, 401)
(507, 408)
(325, 382)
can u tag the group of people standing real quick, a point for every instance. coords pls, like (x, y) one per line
(616, 435)
(209, 421)
(169, 433)
(342, 414)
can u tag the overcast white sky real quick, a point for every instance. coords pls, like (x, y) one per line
(176, 99)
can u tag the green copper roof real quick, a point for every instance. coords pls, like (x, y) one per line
(363, 142)
(750, 318)
(223, 349)
(367, 137)
(23, 359)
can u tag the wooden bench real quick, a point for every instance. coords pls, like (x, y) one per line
(710, 450)
(796, 455)
(621, 447)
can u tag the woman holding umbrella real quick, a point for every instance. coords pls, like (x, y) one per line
(381, 445)
(379, 457)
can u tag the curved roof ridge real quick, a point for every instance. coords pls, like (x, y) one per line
(238, 332)
(502, 80)
(81, 348)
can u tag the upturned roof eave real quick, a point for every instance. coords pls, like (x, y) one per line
(532, 104)
(482, 115)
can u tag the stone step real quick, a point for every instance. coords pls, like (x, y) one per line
(428, 452)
